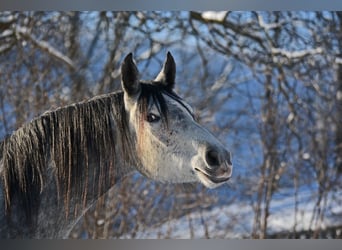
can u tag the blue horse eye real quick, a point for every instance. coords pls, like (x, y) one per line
(152, 118)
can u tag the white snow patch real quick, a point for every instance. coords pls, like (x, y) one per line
(214, 15)
(339, 95)
(297, 54)
(338, 60)
(306, 156)
(6, 33)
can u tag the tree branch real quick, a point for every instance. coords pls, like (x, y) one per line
(44, 46)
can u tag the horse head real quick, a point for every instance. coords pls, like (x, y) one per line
(171, 146)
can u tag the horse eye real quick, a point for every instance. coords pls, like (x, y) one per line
(152, 118)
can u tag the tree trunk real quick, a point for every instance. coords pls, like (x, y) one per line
(338, 135)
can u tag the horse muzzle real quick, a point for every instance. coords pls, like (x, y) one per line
(217, 169)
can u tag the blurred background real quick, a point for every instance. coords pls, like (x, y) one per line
(268, 84)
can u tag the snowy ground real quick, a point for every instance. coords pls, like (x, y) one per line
(236, 220)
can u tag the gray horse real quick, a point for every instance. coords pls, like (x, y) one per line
(55, 167)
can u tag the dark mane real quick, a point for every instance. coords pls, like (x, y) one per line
(63, 141)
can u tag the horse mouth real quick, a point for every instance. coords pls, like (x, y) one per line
(213, 178)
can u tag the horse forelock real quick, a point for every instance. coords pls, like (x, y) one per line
(150, 95)
(153, 94)
(65, 140)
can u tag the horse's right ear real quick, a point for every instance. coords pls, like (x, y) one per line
(168, 73)
(130, 76)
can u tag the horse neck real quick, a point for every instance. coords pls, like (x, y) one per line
(54, 218)
(64, 198)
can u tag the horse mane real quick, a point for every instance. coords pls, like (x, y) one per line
(66, 141)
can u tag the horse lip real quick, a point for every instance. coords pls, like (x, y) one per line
(212, 178)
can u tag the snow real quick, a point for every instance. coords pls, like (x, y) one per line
(268, 26)
(4, 47)
(306, 156)
(236, 220)
(7, 17)
(214, 15)
(297, 54)
(6, 33)
(338, 60)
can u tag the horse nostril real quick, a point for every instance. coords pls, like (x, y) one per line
(212, 158)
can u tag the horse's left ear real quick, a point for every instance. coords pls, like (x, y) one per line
(130, 76)
(168, 73)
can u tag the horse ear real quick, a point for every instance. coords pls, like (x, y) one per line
(130, 76)
(168, 73)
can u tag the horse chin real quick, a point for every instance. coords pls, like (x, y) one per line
(209, 181)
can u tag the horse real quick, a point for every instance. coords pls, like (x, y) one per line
(56, 166)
